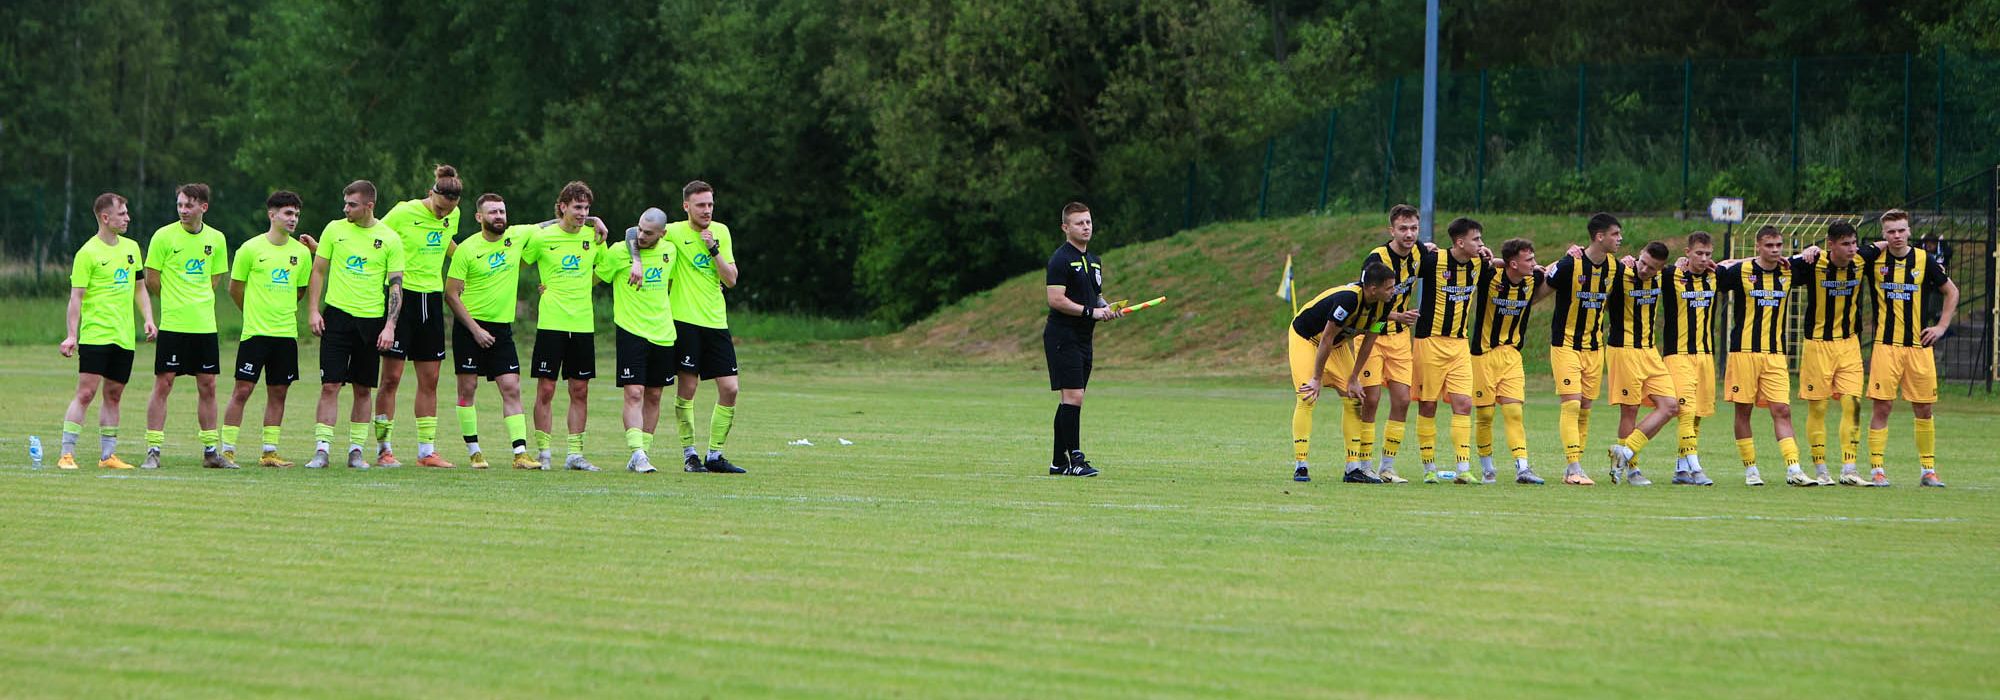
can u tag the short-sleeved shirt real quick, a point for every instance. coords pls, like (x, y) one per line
(1340, 306)
(1448, 285)
(1759, 305)
(1500, 312)
(359, 261)
(491, 271)
(107, 275)
(1903, 288)
(1635, 305)
(272, 276)
(426, 236)
(1687, 324)
(1081, 275)
(645, 311)
(567, 263)
(1405, 267)
(187, 264)
(697, 295)
(1583, 290)
(1832, 295)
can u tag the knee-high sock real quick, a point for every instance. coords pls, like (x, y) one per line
(229, 435)
(1482, 430)
(1068, 417)
(1367, 448)
(1427, 437)
(635, 439)
(427, 430)
(720, 420)
(517, 431)
(272, 435)
(323, 434)
(1636, 441)
(208, 438)
(1788, 448)
(1302, 427)
(1816, 430)
(156, 439)
(1392, 438)
(1746, 448)
(1690, 434)
(468, 423)
(684, 420)
(1517, 429)
(357, 436)
(1461, 436)
(1350, 428)
(1926, 443)
(1566, 426)
(1850, 429)
(385, 428)
(1878, 443)
(1582, 428)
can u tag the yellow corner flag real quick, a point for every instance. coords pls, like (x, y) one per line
(1285, 287)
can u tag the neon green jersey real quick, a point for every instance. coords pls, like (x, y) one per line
(697, 284)
(643, 311)
(426, 236)
(272, 275)
(567, 263)
(187, 264)
(491, 271)
(107, 274)
(359, 261)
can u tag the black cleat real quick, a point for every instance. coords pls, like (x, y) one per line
(1360, 476)
(1299, 473)
(720, 465)
(693, 464)
(1078, 466)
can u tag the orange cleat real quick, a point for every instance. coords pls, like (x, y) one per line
(1578, 479)
(433, 461)
(113, 462)
(387, 459)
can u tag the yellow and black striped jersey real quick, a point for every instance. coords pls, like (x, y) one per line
(1759, 305)
(1582, 289)
(1687, 324)
(1340, 305)
(1445, 290)
(1832, 294)
(1500, 310)
(1406, 270)
(1634, 303)
(1903, 289)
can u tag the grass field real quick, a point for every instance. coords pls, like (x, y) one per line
(932, 558)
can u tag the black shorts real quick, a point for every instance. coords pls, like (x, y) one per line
(704, 352)
(566, 355)
(111, 362)
(488, 362)
(276, 358)
(420, 328)
(1068, 352)
(347, 352)
(644, 362)
(187, 353)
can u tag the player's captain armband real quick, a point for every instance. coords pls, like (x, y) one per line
(1379, 327)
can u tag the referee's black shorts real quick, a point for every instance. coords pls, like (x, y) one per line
(1067, 349)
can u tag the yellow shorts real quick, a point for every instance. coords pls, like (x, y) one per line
(1694, 382)
(1913, 370)
(1496, 375)
(1445, 368)
(1636, 374)
(1398, 365)
(1758, 378)
(1300, 352)
(1577, 371)
(1829, 368)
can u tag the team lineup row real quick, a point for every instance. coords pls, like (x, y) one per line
(1447, 324)
(381, 293)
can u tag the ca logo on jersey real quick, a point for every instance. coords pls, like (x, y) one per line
(654, 274)
(495, 261)
(572, 262)
(701, 261)
(121, 276)
(357, 264)
(281, 276)
(195, 266)
(434, 238)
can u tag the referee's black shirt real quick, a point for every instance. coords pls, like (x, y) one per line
(1082, 278)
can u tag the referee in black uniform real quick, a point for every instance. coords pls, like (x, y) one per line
(1076, 304)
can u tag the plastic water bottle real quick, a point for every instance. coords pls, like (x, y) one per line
(35, 450)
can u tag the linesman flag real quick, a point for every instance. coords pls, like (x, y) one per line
(1285, 286)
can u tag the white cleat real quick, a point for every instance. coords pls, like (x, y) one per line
(578, 463)
(639, 463)
(355, 460)
(1752, 478)
(318, 461)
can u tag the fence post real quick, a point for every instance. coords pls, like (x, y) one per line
(1264, 183)
(1687, 124)
(1795, 132)
(1992, 238)
(1907, 61)
(1939, 148)
(1326, 159)
(1479, 149)
(1389, 148)
(1187, 210)
(1582, 79)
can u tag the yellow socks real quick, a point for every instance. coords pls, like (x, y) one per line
(1878, 442)
(1850, 429)
(1461, 437)
(635, 439)
(1636, 440)
(272, 435)
(1582, 428)
(1566, 426)
(1690, 434)
(1392, 439)
(1427, 437)
(1482, 429)
(1788, 448)
(1517, 429)
(1927, 443)
(1816, 430)
(1350, 427)
(1747, 449)
(1302, 428)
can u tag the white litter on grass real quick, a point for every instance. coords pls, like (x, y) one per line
(801, 442)
(845, 441)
